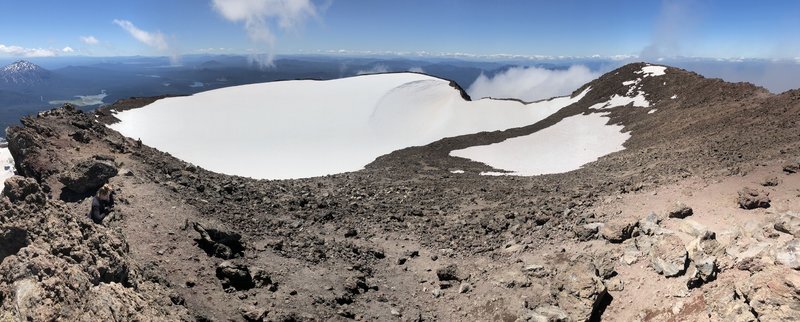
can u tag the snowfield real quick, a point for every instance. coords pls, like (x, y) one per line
(305, 128)
(563, 147)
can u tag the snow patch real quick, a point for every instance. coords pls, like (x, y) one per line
(457, 171)
(563, 147)
(7, 164)
(673, 97)
(653, 70)
(306, 128)
(652, 111)
(617, 100)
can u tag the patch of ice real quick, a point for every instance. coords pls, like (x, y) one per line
(563, 147)
(457, 171)
(7, 164)
(83, 100)
(673, 97)
(305, 128)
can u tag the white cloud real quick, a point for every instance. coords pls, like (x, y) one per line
(260, 17)
(89, 40)
(152, 39)
(25, 52)
(531, 83)
(68, 49)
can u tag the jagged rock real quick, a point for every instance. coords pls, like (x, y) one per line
(253, 314)
(789, 254)
(219, 243)
(81, 136)
(88, 175)
(650, 225)
(668, 256)
(789, 223)
(587, 231)
(618, 231)
(234, 275)
(773, 294)
(751, 199)
(579, 291)
(726, 304)
(546, 313)
(18, 188)
(702, 270)
(680, 210)
(695, 229)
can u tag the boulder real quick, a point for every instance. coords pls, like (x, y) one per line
(680, 210)
(695, 229)
(789, 254)
(650, 225)
(579, 291)
(770, 181)
(701, 271)
(789, 223)
(587, 231)
(751, 199)
(725, 304)
(234, 275)
(668, 256)
(88, 175)
(449, 273)
(619, 230)
(773, 293)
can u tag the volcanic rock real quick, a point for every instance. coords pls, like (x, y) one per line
(88, 176)
(680, 210)
(668, 256)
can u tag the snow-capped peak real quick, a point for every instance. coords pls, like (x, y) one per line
(23, 72)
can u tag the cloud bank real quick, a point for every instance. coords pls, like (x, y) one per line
(152, 39)
(531, 83)
(68, 49)
(90, 40)
(262, 17)
(25, 52)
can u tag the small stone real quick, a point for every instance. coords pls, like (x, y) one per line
(788, 223)
(350, 233)
(401, 260)
(789, 254)
(395, 312)
(437, 293)
(448, 273)
(464, 288)
(770, 181)
(618, 231)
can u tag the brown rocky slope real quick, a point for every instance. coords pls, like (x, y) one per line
(405, 239)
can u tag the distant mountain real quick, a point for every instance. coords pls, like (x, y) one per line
(23, 73)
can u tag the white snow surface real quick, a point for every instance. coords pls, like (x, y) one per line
(616, 100)
(305, 128)
(563, 147)
(653, 70)
(6, 164)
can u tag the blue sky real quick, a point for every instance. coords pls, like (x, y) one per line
(716, 29)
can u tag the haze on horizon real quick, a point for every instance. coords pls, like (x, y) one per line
(676, 32)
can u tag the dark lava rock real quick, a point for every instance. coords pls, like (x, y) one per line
(751, 199)
(219, 243)
(235, 275)
(19, 188)
(448, 273)
(88, 175)
(792, 167)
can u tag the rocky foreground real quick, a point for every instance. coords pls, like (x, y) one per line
(696, 220)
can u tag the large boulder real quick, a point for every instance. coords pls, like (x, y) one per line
(752, 198)
(579, 291)
(668, 256)
(725, 304)
(88, 175)
(234, 275)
